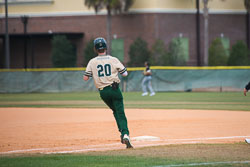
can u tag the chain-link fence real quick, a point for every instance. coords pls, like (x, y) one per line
(164, 79)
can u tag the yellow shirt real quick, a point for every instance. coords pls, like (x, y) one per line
(104, 70)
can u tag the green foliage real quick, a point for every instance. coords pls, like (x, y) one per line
(63, 52)
(160, 55)
(115, 5)
(89, 52)
(239, 55)
(138, 53)
(176, 53)
(217, 54)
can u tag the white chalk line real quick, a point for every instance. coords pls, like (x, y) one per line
(55, 148)
(210, 138)
(206, 163)
(115, 146)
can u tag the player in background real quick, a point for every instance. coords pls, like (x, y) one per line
(104, 69)
(247, 87)
(146, 82)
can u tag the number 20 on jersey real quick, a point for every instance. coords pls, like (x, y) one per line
(104, 70)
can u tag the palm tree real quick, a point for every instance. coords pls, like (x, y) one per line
(112, 6)
(247, 6)
(206, 32)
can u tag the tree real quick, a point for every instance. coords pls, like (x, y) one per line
(176, 54)
(247, 6)
(89, 52)
(63, 52)
(206, 30)
(160, 55)
(239, 55)
(115, 6)
(217, 54)
(138, 53)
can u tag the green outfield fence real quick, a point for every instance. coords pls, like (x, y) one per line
(221, 78)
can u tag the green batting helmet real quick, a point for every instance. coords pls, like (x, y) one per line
(100, 43)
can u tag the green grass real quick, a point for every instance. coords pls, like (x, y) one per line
(79, 161)
(49, 96)
(162, 100)
(142, 157)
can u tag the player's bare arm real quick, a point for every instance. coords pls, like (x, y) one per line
(85, 78)
(125, 74)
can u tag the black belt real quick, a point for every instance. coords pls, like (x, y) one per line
(114, 86)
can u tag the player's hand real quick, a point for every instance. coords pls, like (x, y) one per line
(245, 91)
(85, 78)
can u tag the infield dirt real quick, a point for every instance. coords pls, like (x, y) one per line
(70, 130)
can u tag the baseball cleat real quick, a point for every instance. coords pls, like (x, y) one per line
(247, 141)
(145, 94)
(152, 94)
(122, 139)
(126, 141)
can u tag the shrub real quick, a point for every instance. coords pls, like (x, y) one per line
(89, 52)
(176, 53)
(239, 55)
(138, 53)
(63, 52)
(160, 55)
(217, 54)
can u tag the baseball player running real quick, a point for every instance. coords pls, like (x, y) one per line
(146, 82)
(104, 69)
(247, 87)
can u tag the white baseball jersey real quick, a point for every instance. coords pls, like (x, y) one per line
(104, 70)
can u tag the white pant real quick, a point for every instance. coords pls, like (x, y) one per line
(146, 84)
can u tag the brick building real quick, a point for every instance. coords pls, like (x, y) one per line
(150, 20)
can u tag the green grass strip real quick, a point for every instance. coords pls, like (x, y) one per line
(162, 100)
(170, 155)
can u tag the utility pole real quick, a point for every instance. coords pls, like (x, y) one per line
(7, 46)
(198, 33)
(24, 19)
(109, 27)
(247, 29)
(206, 32)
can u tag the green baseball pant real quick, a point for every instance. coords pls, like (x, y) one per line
(114, 99)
